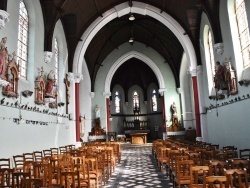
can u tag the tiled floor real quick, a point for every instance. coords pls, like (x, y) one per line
(138, 169)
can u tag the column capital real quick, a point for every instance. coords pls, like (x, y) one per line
(219, 48)
(107, 94)
(162, 91)
(92, 94)
(4, 17)
(195, 71)
(78, 77)
(178, 90)
(47, 56)
(70, 76)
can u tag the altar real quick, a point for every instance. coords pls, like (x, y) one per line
(138, 138)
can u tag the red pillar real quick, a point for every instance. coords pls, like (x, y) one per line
(163, 114)
(108, 114)
(196, 106)
(77, 100)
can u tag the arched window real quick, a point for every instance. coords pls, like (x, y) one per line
(211, 52)
(56, 57)
(136, 101)
(22, 48)
(154, 101)
(242, 23)
(117, 102)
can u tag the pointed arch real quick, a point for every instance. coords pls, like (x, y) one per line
(139, 8)
(127, 56)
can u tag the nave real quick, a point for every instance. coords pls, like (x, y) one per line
(138, 169)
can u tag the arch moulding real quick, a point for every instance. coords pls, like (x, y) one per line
(127, 56)
(139, 8)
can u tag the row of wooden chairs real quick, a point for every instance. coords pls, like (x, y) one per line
(88, 166)
(179, 158)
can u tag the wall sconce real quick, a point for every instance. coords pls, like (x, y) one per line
(27, 93)
(60, 104)
(244, 82)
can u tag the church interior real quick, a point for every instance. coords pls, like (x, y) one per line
(74, 73)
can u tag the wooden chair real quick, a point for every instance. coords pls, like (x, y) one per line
(6, 177)
(237, 178)
(244, 153)
(94, 172)
(4, 163)
(215, 181)
(177, 159)
(162, 157)
(18, 177)
(183, 173)
(171, 161)
(198, 175)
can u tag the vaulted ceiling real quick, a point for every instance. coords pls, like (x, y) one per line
(77, 15)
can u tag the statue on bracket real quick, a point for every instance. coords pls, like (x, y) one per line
(9, 71)
(224, 80)
(51, 90)
(40, 88)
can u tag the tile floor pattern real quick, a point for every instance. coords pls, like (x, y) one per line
(138, 169)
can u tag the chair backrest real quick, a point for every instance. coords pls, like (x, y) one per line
(32, 183)
(216, 168)
(236, 177)
(215, 181)
(28, 157)
(240, 164)
(47, 153)
(18, 162)
(38, 156)
(62, 149)
(196, 157)
(244, 153)
(54, 151)
(4, 163)
(183, 169)
(196, 174)
(232, 148)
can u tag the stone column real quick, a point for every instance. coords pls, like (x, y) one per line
(193, 73)
(77, 77)
(107, 95)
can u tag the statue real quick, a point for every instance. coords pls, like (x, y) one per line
(174, 109)
(3, 57)
(97, 112)
(219, 77)
(50, 87)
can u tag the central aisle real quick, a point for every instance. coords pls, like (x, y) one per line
(137, 169)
